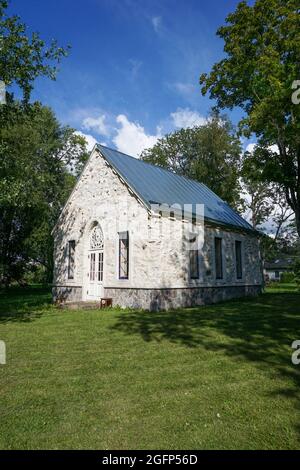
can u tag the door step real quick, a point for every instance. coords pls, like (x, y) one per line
(90, 305)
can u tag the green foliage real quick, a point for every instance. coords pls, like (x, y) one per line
(268, 248)
(259, 192)
(296, 269)
(37, 156)
(24, 58)
(265, 200)
(37, 274)
(209, 153)
(287, 277)
(262, 46)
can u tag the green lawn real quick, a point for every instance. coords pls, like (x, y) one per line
(215, 377)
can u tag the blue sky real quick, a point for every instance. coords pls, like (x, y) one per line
(133, 70)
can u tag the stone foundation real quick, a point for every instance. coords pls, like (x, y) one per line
(63, 294)
(160, 299)
(164, 299)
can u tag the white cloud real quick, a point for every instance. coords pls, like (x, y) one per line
(156, 23)
(274, 148)
(96, 124)
(131, 137)
(91, 141)
(250, 148)
(185, 89)
(183, 118)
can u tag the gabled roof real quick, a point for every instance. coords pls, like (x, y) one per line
(156, 185)
(280, 263)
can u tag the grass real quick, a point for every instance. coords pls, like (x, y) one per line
(282, 287)
(215, 377)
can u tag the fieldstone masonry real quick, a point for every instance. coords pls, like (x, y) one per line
(159, 275)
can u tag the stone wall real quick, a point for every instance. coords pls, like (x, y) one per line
(159, 260)
(62, 294)
(99, 197)
(165, 299)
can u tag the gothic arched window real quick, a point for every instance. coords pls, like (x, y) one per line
(96, 239)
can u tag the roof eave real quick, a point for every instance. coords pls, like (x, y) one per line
(232, 227)
(147, 203)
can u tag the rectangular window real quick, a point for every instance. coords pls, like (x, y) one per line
(71, 259)
(218, 258)
(238, 259)
(123, 255)
(100, 267)
(92, 266)
(194, 264)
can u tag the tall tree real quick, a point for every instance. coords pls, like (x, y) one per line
(24, 57)
(258, 201)
(36, 158)
(209, 153)
(258, 74)
(259, 195)
(37, 154)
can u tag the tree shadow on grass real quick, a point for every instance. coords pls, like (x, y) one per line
(257, 325)
(260, 330)
(23, 304)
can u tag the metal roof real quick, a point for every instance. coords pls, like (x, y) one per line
(280, 263)
(154, 184)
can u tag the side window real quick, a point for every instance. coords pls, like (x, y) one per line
(71, 259)
(194, 264)
(123, 255)
(238, 259)
(218, 258)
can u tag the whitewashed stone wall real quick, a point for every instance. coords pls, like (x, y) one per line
(100, 197)
(158, 261)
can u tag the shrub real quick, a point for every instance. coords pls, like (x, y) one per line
(287, 277)
(36, 275)
(296, 269)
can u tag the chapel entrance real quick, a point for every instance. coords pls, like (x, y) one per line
(95, 264)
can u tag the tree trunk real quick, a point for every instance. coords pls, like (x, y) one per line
(297, 219)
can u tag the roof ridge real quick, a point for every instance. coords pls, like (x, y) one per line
(164, 183)
(162, 168)
(141, 161)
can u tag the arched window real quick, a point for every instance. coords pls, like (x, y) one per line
(96, 255)
(96, 239)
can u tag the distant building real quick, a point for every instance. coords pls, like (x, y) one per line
(116, 238)
(273, 270)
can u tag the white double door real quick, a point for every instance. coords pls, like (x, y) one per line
(95, 274)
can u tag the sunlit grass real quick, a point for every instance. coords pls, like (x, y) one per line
(214, 377)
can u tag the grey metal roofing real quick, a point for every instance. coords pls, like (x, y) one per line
(154, 184)
(280, 263)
